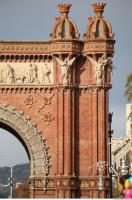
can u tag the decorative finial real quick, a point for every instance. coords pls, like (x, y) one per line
(57, 18)
(99, 8)
(64, 8)
(90, 19)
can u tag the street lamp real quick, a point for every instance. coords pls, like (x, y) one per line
(10, 179)
(101, 166)
(110, 132)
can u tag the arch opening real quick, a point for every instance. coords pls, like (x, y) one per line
(28, 134)
(13, 132)
(14, 163)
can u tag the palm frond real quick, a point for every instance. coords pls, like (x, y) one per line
(128, 86)
(129, 80)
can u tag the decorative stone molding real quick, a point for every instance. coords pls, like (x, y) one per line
(25, 49)
(12, 73)
(32, 138)
(25, 57)
(46, 101)
(29, 101)
(98, 47)
(76, 183)
(39, 183)
(56, 88)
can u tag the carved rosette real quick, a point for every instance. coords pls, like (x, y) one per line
(32, 138)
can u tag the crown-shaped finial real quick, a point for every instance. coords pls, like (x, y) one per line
(64, 8)
(99, 8)
(57, 18)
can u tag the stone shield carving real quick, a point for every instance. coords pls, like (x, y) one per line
(31, 136)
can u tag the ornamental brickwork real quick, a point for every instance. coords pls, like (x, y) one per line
(54, 99)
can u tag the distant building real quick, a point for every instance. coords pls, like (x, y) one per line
(129, 120)
(122, 150)
(122, 146)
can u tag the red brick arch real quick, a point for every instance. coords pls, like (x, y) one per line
(30, 136)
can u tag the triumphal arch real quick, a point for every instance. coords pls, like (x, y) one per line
(54, 99)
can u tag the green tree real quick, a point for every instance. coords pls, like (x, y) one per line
(128, 88)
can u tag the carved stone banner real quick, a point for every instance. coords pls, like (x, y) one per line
(37, 73)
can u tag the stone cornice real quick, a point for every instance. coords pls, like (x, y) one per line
(43, 88)
(41, 48)
(98, 46)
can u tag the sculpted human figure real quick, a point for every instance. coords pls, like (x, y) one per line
(99, 67)
(8, 75)
(1, 76)
(65, 68)
(32, 74)
(110, 70)
(46, 71)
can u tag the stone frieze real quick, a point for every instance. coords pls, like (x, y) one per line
(12, 73)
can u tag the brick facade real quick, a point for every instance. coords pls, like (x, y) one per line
(71, 116)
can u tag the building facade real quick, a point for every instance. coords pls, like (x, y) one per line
(54, 99)
(122, 152)
(129, 120)
(122, 146)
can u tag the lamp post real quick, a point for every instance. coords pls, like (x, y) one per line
(11, 183)
(110, 132)
(101, 166)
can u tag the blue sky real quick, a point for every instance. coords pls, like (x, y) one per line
(34, 19)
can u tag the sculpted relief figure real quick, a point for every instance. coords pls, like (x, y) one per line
(31, 76)
(65, 68)
(46, 72)
(1, 76)
(14, 73)
(110, 70)
(7, 75)
(99, 67)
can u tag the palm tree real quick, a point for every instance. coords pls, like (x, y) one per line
(128, 86)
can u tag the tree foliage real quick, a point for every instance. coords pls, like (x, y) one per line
(128, 87)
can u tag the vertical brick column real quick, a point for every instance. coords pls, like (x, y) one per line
(95, 129)
(61, 133)
(65, 142)
(102, 125)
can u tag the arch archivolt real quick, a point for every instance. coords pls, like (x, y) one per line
(31, 137)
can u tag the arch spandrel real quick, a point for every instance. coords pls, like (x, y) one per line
(31, 137)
